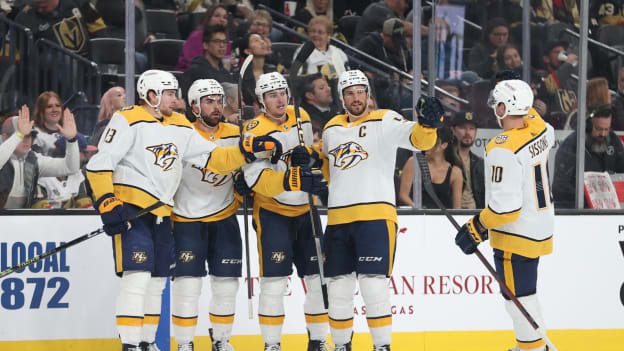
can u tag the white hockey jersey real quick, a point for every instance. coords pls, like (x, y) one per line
(519, 211)
(204, 195)
(267, 179)
(137, 153)
(360, 163)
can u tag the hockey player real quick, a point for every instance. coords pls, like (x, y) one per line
(519, 214)
(281, 215)
(205, 229)
(138, 156)
(361, 216)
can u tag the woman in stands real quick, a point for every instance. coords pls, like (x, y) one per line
(194, 46)
(47, 117)
(446, 176)
(112, 100)
(482, 59)
(254, 44)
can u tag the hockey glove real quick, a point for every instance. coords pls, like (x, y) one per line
(305, 156)
(114, 214)
(469, 237)
(260, 147)
(240, 185)
(430, 112)
(304, 179)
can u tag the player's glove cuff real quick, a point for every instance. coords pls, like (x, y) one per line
(260, 147)
(113, 213)
(470, 235)
(430, 112)
(292, 179)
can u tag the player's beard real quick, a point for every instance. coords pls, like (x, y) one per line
(357, 111)
(211, 120)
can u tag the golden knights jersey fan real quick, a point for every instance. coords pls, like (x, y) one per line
(69, 23)
(134, 168)
(519, 213)
(360, 237)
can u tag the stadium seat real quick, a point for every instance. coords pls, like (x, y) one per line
(347, 25)
(163, 53)
(189, 22)
(162, 24)
(284, 53)
(86, 118)
(611, 34)
(109, 54)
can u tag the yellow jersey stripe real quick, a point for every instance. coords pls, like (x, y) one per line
(101, 182)
(520, 245)
(256, 218)
(508, 272)
(224, 160)
(220, 215)
(118, 253)
(362, 212)
(492, 219)
(141, 198)
(391, 244)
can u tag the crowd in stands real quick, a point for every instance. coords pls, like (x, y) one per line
(212, 39)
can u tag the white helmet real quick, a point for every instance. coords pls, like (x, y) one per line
(269, 82)
(515, 94)
(157, 81)
(349, 79)
(201, 88)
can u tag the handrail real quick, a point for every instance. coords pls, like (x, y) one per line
(24, 44)
(66, 52)
(363, 54)
(596, 42)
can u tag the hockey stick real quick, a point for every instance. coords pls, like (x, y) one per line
(142, 212)
(302, 56)
(428, 185)
(245, 212)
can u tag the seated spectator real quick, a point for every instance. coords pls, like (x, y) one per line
(508, 58)
(472, 166)
(256, 45)
(112, 100)
(47, 117)
(210, 65)
(559, 88)
(315, 8)
(446, 176)
(558, 11)
(326, 59)
(603, 12)
(389, 45)
(603, 153)
(20, 167)
(377, 13)
(618, 103)
(193, 46)
(482, 58)
(259, 21)
(69, 191)
(317, 99)
(69, 23)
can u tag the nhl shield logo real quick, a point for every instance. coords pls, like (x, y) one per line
(165, 154)
(348, 155)
(186, 256)
(278, 256)
(139, 256)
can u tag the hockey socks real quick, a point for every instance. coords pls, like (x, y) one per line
(376, 296)
(271, 308)
(528, 339)
(341, 290)
(130, 306)
(222, 306)
(315, 314)
(185, 306)
(153, 301)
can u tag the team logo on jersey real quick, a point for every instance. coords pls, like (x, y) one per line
(166, 155)
(213, 178)
(70, 33)
(278, 256)
(252, 124)
(500, 139)
(348, 155)
(139, 256)
(186, 256)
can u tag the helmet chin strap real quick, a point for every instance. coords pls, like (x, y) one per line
(155, 107)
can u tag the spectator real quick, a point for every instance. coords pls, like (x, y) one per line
(446, 176)
(47, 117)
(230, 110)
(559, 88)
(112, 100)
(508, 58)
(482, 59)
(452, 87)
(193, 46)
(618, 103)
(254, 43)
(69, 191)
(472, 166)
(260, 22)
(315, 8)
(210, 65)
(603, 12)
(565, 11)
(389, 45)
(539, 103)
(317, 99)
(377, 13)
(597, 95)
(326, 59)
(20, 167)
(69, 23)
(603, 153)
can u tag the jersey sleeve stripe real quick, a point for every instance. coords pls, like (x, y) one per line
(530, 141)
(492, 219)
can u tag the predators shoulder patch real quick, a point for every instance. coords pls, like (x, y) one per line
(252, 124)
(500, 139)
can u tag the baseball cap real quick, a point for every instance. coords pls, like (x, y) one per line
(553, 44)
(394, 28)
(61, 144)
(464, 117)
(10, 126)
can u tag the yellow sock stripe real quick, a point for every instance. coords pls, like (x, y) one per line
(378, 322)
(221, 319)
(391, 244)
(184, 321)
(531, 344)
(118, 253)
(130, 321)
(151, 319)
(256, 218)
(341, 323)
(316, 318)
(271, 320)
(509, 275)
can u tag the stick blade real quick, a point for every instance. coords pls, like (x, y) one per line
(246, 63)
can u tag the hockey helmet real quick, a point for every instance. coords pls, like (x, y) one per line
(157, 81)
(269, 82)
(349, 79)
(516, 95)
(201, 88)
